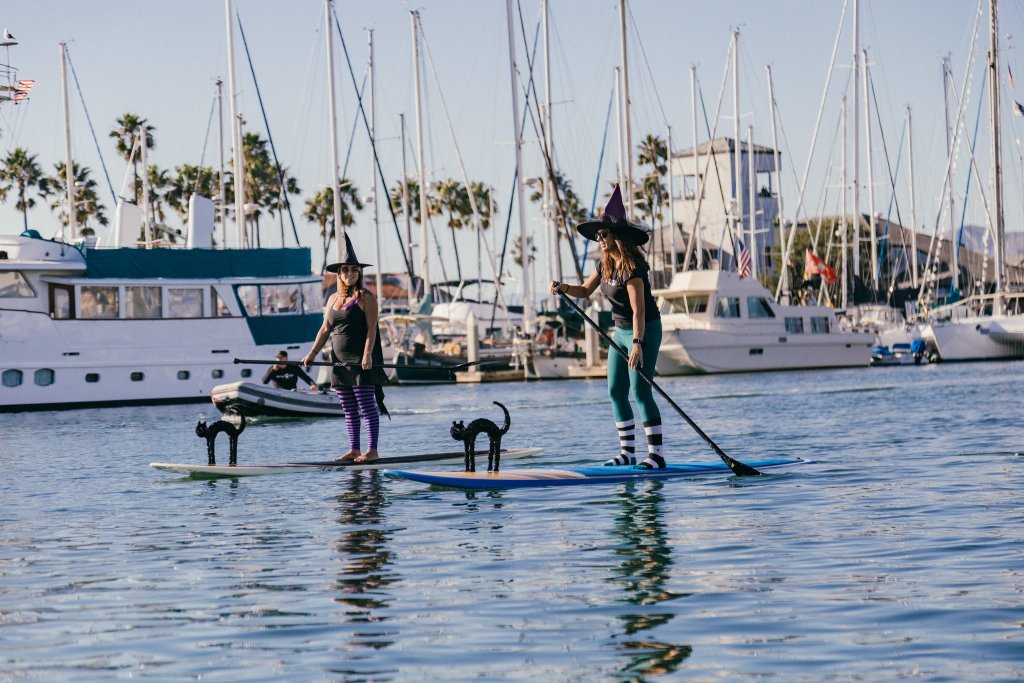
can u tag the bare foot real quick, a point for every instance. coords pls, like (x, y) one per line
(348, 457)
(368, 456)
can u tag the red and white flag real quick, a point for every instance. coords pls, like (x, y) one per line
(817, 266)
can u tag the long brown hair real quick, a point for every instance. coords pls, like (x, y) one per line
(621, 261)
(356, 290)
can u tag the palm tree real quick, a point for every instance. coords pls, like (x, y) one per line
(411, 187)
(20, 171)
(320, 210)
(188, 179)
(653, 152)
(487, 206)
(568, 210)
(126, 135)
(159, 180)
(453, 199)
(87, 204)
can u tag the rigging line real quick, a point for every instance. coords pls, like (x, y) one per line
(892, 178)
(957, 127)
(348, 157)
(563, 208)
(92, 130)
(206, 139)
(643, 53)
(597, 177)
(373, 146)
(515, 183)
(270, 137)
(470, 195)
(802, 187)
(970, 175)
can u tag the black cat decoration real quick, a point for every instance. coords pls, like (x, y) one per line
(210, 434)
(467, 435)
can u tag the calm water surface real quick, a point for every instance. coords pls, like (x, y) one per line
(896, 555)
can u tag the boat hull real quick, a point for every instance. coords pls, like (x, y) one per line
(983, 338)
(697, 351)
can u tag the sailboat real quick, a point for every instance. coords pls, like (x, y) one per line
(988, 326)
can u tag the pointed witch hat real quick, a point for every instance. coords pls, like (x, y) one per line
(614, 219)
(348, 258)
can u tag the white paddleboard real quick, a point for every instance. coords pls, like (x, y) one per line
(197, 471)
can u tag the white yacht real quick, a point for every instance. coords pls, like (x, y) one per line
(985, 327)
(714, 321)
(92, 327)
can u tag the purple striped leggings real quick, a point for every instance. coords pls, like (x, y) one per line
(359, 401)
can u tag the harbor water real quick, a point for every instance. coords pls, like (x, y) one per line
(897, 553)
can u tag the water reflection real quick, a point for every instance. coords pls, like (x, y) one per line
(646, 561)
(366, 560)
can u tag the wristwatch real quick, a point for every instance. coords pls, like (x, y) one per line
(637, 341)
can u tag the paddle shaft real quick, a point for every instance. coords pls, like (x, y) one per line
(736, 466)
(330, 364)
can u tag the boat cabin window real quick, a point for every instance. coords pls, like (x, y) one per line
(218, 305)
(44, 377)
(794, 325)
(312, 297)
(61, 297)
(184, 302)
(288, 299)
(13, 285)
(143, 302)
(279, 299)
(820, 324)
(728, 307)
(758, 307)
(99, 301)
(12, 378)
(689, 303)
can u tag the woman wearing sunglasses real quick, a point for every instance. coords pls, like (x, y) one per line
(350, 322)
(623, 275)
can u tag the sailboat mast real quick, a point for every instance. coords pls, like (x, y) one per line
(856, 144)
(696, 168)
(140, 136)
(630, 198)
(425, 265)
(621, 175)
(373, 173)
(332, 124)
(913, 203)
(954, 242)
(236, 132)
(524, 247)
(671, 203)
(69, 165)
(997, 160)
(222, 207)
(550, 191)
(752, 192)
(871, 181)
(842, 193)
(773, 109)
(737, 201)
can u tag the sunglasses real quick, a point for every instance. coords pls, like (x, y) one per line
(348, 269)
(604, 234)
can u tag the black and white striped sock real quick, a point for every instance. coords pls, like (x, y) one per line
(654, 459)
(627, 444)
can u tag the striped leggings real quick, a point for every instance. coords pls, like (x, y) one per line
(359, 401)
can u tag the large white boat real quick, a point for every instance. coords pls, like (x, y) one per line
(714, 321)
(987, 327)
(96, 327)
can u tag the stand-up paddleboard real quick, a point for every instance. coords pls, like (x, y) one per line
(572, 476)
(217, 471)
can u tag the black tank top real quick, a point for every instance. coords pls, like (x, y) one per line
(618, 296)
(348, 340)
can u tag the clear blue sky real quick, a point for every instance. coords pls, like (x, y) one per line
(160, 60)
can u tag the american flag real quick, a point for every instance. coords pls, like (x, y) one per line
(742, 259)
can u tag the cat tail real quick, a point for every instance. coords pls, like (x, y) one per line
(508, 418)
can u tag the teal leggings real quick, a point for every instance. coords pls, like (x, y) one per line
(621, 378)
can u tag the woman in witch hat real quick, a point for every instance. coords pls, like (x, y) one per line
(350, 321)
(623, 276)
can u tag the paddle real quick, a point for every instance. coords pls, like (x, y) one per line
(330, 364)
(736, 466)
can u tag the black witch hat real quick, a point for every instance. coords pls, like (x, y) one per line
(614, 219)
(348, 258)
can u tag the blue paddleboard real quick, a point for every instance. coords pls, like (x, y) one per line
(572, 476)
